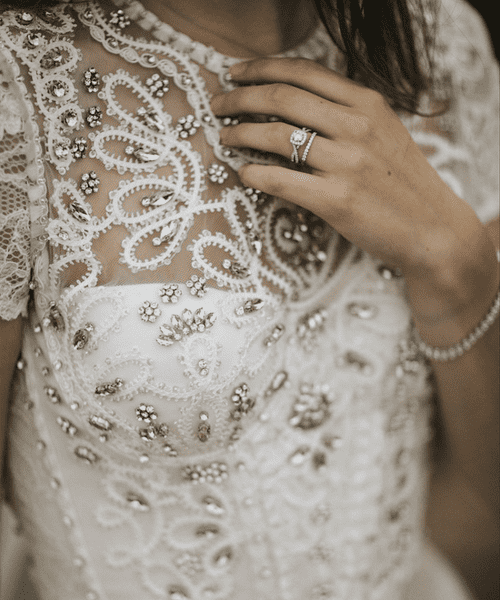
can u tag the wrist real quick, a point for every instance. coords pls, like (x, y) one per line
(450, 297)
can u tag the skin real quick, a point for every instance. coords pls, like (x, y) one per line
(371, 182)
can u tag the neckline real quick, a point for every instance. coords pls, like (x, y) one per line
(315, 46)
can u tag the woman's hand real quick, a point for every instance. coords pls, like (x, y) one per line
(368, 179)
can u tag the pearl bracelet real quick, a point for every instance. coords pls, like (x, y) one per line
(444, 354)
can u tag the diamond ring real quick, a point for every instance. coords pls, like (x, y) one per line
(297, 139)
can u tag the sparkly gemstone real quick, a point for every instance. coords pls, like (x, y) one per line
(362, 311)
(58, 90)
(137, 502)
(91, 80)
(86, 454)
(159, 199)
(100, 423)
(299, 456)
(213, 506)
(207, 531)
(33, 40)
(277, 383)
(107, 389)
(223, 557)
(79, 212)
(61, 151)
(52, 59)
(142, 154)
(120, 19)
(81, 337)
(26, 18)
(250, 306)
(70, 118)
(54, 318)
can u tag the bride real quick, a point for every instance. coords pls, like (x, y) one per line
(249, 298)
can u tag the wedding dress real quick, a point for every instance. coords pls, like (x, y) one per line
(217, 397)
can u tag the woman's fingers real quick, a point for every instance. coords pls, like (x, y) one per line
(294, 105)
(275, 138)
(310, 191)
(306, 75)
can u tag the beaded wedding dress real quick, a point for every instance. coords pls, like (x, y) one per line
(217, 397)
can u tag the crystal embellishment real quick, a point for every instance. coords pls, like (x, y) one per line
(149, 311)
(100, 423)
(79, 212)
(146, 413)
(94, 116)
(197, 286)
(243, 404)
(312, 407)
(108, 389)
(86, 454)
(165, 234)
(170, 292)
(276, 333)
(187, 126)
(235, 268)
(141, 154)
(91, 80)
(67, 426)
(185, 325)
(157, 86)
(137, 502)
(70, 119)
(54, 318)
(250, 306)
(217, 173)
(89, 183)
(79, 147)
(52, 395)
(213, 506)
(159, 199)
(215, 472)
(119, 19)
(52, 59)
(362, 311)
(204, 428)
(256, 196)
(82, 336)
(151, 119)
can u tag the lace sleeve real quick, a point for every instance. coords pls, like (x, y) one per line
(15, 245)
(463, 144)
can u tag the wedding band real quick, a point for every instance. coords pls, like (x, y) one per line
(297, 139)
(308, 147)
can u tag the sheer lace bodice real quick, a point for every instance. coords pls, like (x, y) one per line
(217, 396)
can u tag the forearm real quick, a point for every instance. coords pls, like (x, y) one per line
(448, 305)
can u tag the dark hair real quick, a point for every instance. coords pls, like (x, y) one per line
(386, 45)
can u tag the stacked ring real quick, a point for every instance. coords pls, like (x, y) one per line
(297, 139)
(308, 147)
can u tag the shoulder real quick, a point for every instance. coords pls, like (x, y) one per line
(462, 38)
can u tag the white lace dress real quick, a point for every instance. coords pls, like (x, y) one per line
(216, 398)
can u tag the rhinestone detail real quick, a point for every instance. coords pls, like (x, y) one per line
(89, 183)
(108, 389)
(91, 80)
(215, 472)
(197, 286)
(170, 292)
(157, 86)
(149, 311)
(187, 126)
(217, 173)
(185, 325)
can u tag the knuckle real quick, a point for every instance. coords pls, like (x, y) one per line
(363, 126)
(276, 94)
(374, 99)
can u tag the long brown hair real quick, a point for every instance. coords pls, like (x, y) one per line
(386, 42)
